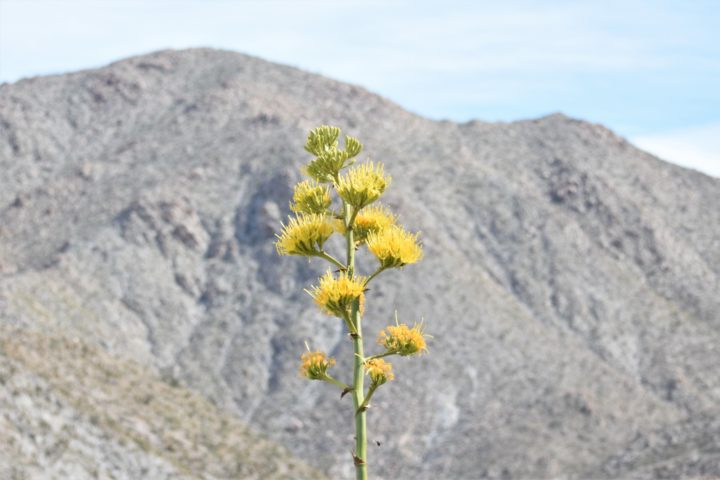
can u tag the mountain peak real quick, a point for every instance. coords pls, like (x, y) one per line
(138, 205)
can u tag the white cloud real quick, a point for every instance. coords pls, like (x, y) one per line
(345, 40)
(697, 147)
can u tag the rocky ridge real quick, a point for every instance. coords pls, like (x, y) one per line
(570, 279)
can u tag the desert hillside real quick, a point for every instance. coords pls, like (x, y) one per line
(149, 330)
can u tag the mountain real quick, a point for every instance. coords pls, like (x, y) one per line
(71, 411)
(570, 282)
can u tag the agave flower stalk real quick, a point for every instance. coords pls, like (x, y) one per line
(362, 222)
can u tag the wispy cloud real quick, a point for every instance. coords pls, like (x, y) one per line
(697, 147)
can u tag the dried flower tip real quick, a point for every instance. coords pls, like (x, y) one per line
(310, 197)
(379, 370)
(335, 295)
(304, 235)
(402, 340)
(373, 219)
(362, 185)
(394, 247)
(315, 365)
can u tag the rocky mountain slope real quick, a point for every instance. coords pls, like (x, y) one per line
(72, 411)
(570, 283)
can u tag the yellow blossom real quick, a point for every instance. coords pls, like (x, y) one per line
(379, 370)
(315, 365)
(335, 295)
(363, 184)
(375, 218)
(304, 235)
(403, 340)
(310, 197)
(394, 247)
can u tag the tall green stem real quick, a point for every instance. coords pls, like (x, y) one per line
(358, 373)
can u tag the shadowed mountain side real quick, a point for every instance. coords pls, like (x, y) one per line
(569, 281)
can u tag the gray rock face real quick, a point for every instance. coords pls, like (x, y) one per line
(570, 281)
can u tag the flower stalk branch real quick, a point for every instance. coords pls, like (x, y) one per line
(338, 383)
(380, 355)
(375, 274)
(366, 403)
(331, 259)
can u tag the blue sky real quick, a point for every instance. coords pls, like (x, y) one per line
(649, 70)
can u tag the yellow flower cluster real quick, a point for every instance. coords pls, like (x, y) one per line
(315, 365)
(304, 235)
(394, 247)
(310, 197)
(375, 218)
(379, 370)
(363, 184)
(335, 295)
(403, 340)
